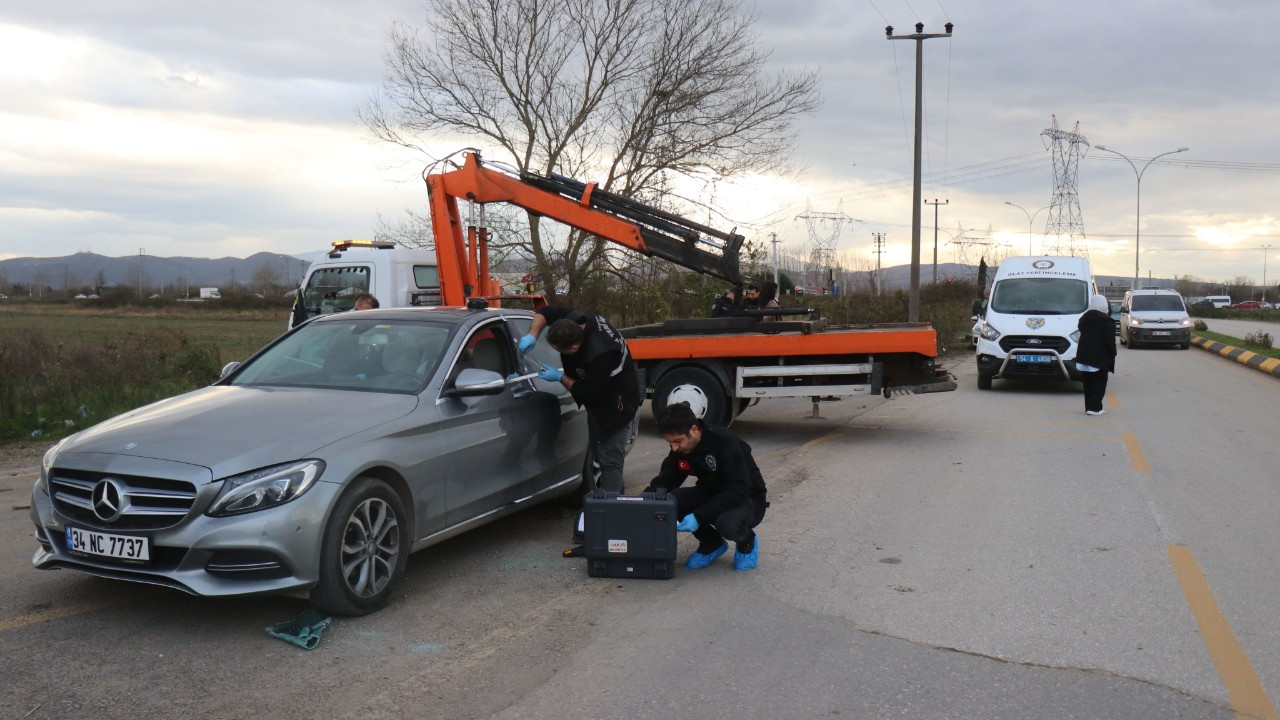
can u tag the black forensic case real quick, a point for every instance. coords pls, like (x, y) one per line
(630, 536)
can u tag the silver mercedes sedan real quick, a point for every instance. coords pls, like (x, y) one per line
(319, 464)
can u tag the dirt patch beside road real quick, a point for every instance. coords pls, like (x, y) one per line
(19, 467)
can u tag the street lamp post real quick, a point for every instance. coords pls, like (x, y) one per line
(1030, 219)
(1137, 227)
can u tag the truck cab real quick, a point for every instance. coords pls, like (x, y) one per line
(397, 277)
(1030, 328)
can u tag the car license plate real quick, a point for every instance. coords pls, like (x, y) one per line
(1035, 358)
(1162, 332)
(125, 547)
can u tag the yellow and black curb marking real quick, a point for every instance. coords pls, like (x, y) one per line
(1268, 365)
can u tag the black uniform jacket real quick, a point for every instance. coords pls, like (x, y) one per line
(604, 375)
(1097, 345)
(725, 469)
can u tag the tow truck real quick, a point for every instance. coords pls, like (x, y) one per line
(720, 366)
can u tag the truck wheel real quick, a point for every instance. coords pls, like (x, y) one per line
(363, 551)
(697, 387)
(984, 381)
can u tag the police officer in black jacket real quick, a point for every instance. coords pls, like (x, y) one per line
(729, 498)
(601, 376)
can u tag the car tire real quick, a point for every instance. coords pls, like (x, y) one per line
(699, 388)
(363, 551)
(984, 381)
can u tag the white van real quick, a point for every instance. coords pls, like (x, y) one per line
(1219, 301)
(1154, 316)
(1030, 327)
(397, 277)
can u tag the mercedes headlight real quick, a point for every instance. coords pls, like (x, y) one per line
(1134, 321)
(988, 332)
(46, 464)
(265, 488)
(1185, 322)
(1075, 336)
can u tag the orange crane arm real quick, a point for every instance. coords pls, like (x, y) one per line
(464, 270)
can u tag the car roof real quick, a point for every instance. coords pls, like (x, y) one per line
(453, 315)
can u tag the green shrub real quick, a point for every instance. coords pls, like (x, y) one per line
(1201, 325)
(1261, 338)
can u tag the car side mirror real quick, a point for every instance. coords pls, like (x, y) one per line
(474, 381)
(229, 368)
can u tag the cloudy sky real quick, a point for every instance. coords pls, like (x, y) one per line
(223, 129)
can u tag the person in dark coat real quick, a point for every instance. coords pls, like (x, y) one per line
(601, 376)
(1096, 353)
(727, 501)
(723, 304)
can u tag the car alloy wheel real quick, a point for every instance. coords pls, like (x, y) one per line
(364, 549)
(370, 548)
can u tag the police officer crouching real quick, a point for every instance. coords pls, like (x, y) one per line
(729, 498)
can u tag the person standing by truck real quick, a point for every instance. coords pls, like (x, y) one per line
(1096, 353)
(600, 375)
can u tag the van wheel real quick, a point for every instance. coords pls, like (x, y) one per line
(984, 381)
(697, 387)
(363, 551)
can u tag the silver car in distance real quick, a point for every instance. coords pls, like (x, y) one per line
(319, 464)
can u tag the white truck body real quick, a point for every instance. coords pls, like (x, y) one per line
(395, 276)
(1030, 327)
(210, 293)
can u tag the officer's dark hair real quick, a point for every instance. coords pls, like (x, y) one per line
(564, 333)
(677, 419)
(753, 286)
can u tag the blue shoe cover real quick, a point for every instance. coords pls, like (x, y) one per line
(747, 561)
(698, 560)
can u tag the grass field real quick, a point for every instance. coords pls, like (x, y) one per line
(63, 367)
(234, 334)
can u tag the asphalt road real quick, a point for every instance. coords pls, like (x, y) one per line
(976, 554)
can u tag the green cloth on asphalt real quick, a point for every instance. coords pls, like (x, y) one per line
(303, 631)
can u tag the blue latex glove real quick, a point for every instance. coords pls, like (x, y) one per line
(688, 524)
(550, 374)
(526, 343)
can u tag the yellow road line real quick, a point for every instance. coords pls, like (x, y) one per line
(1112, 401)
(1136, 455)
(54, 614)
(1244, 689)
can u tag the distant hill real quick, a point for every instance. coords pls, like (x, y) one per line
(89, 270)
(86, 270)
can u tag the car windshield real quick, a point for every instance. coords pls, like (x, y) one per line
(1171, 303)
(351, 354)
(1040, 296)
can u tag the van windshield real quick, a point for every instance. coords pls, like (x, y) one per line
(1172, 303)
(1040, 296)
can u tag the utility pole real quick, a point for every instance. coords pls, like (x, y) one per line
(1265, 248)
(879, 238)
(775, 257)
(140, 252)
(913, 304)
(935, 205)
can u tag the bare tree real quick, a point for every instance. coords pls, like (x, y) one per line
(630, 92)
(266, 279)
